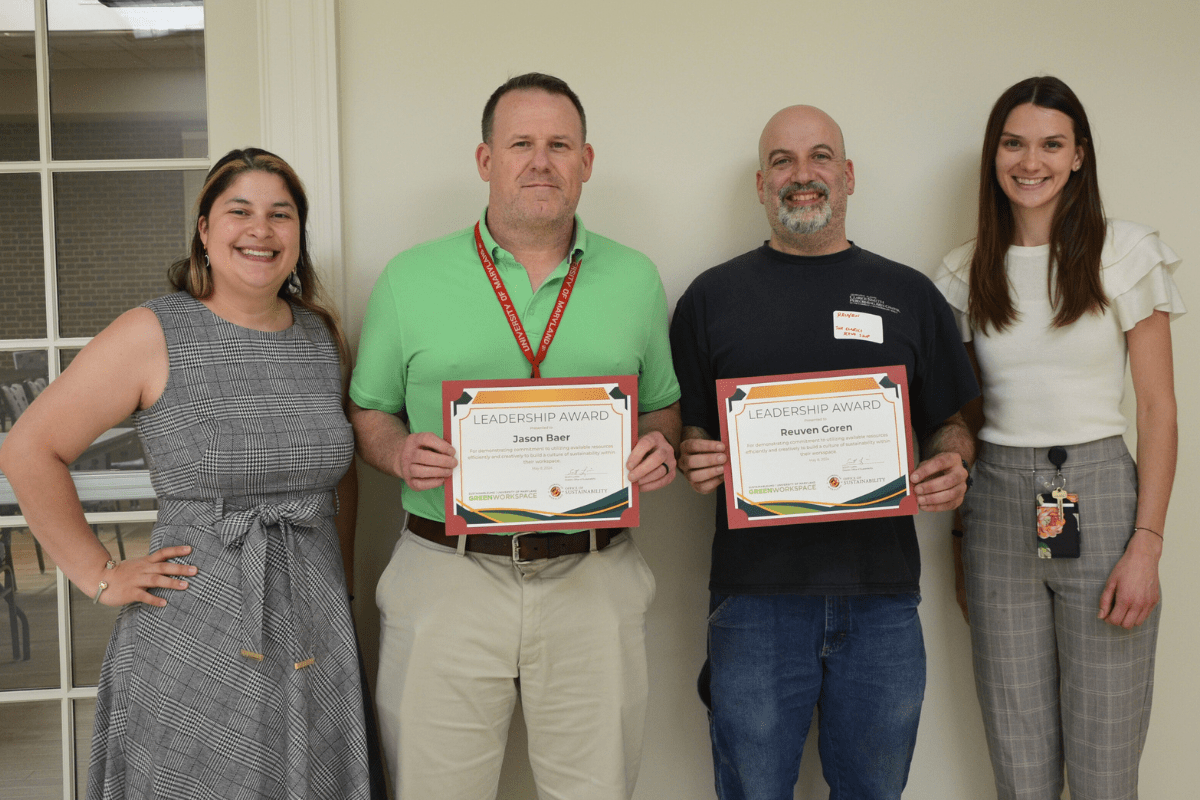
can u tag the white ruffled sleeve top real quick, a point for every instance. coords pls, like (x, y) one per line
(1045, 386)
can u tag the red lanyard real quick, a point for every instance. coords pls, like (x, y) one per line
(510, 311)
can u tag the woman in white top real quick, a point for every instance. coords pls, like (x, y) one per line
(1062, 533)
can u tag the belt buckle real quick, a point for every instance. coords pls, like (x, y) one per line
(516, 548)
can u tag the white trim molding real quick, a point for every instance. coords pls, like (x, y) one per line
(298, 84)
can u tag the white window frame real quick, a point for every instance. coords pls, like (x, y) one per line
(296, 63)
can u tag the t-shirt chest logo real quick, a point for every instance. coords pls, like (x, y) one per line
(857, 325)
(870, 301)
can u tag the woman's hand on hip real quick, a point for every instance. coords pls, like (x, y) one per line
(130, 581)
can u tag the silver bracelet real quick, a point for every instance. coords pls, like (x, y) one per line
(110, 564)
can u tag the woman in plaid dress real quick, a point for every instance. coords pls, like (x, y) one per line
(232, 671)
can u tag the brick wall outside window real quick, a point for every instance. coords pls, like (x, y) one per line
(22, 265)
(116, 232)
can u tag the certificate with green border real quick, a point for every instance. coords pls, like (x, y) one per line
(817, 446)
(541, 454)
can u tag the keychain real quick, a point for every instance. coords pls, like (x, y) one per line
(1057, 514)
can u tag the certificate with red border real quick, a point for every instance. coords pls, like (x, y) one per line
(541, 454)
(817, 446)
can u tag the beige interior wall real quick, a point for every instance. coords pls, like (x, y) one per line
(676, 93)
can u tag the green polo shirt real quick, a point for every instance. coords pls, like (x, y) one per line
(433, 317)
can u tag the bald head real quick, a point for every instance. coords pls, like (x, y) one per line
(808, 121)
(803, 180)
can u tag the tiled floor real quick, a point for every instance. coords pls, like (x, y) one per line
(30, 751)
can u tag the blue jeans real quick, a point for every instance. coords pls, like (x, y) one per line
(860, 659)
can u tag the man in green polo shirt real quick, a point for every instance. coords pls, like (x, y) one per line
(465, 618)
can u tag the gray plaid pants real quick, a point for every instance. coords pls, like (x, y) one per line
(1056, 685)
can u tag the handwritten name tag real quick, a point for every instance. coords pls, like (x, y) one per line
(855, 325)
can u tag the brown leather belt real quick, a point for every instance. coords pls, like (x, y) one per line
(522, 547)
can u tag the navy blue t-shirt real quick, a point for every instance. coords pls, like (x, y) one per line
(770, 313)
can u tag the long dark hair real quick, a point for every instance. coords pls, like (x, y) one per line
(1076, 233)
(192, 275)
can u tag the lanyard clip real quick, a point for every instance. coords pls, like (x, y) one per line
(1058, 456)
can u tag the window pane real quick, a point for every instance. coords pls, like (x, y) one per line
(116, 234)
(28, 611)
(22, 261)
(65, 357)
(23, 376)
(18, 83)
(31, 744)
(91, 624)
(127, 82)
(85, 718)
(116, 449)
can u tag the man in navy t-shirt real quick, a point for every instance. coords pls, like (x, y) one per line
(822, 614)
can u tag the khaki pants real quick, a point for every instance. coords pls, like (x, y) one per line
(463, 635)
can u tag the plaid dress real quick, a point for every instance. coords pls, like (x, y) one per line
(246, 685)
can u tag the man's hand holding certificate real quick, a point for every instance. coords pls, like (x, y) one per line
(817, 446)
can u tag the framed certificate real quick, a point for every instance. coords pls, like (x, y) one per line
(542, 454)
(817, 446)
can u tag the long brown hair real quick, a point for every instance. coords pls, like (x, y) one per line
(1076, 233)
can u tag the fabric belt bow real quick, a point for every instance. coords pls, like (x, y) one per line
(247, 530)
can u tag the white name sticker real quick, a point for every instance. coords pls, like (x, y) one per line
(855, 325)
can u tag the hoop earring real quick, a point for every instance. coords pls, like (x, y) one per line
(293, 283)
(206, 264)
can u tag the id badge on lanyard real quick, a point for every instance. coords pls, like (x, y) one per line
(1057, 514)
